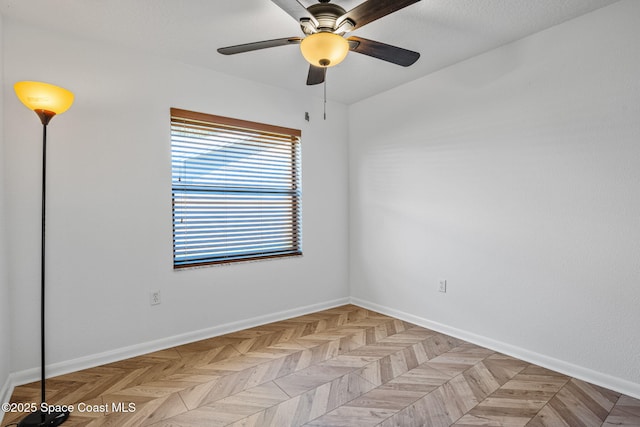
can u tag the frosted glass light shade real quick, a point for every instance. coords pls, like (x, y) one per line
(44, 96)
(324, 49)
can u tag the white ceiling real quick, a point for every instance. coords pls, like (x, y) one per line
(443, 31)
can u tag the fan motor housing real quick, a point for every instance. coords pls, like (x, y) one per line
(326, 14)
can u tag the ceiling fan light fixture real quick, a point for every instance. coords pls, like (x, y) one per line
(324, 49)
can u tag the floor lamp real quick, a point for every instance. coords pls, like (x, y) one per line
(46, 101)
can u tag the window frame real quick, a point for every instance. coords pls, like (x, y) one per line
(261, 132)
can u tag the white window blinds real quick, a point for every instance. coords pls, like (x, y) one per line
(236, 190)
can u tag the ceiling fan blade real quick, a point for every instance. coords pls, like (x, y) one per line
(296, 10)
(371, 10)
(386, 52)
(248, 47)
(316, 75)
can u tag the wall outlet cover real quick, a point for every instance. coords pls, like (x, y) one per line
(154, 297)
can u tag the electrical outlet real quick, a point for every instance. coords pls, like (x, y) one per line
(154, 297)
(442, 285)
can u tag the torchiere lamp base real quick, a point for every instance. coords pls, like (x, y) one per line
(44, 419)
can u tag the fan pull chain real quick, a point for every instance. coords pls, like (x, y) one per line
(325, 97)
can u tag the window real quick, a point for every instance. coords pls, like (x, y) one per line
(236, 190)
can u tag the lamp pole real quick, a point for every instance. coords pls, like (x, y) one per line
(42, 260)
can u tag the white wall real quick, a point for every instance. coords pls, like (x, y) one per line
(109, 202)
(515, 176)
(5, 332)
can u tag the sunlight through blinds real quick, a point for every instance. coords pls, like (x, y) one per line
(236, 190)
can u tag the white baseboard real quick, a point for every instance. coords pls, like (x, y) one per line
(91, 361)
(585, 374)
(5, 394)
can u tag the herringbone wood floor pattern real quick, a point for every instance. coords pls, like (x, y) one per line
(341, 367)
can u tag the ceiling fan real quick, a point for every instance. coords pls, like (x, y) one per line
(325, 25)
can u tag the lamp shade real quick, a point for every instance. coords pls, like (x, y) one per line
(324, 49)
(44, 96)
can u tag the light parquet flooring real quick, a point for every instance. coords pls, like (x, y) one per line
(345, 366)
